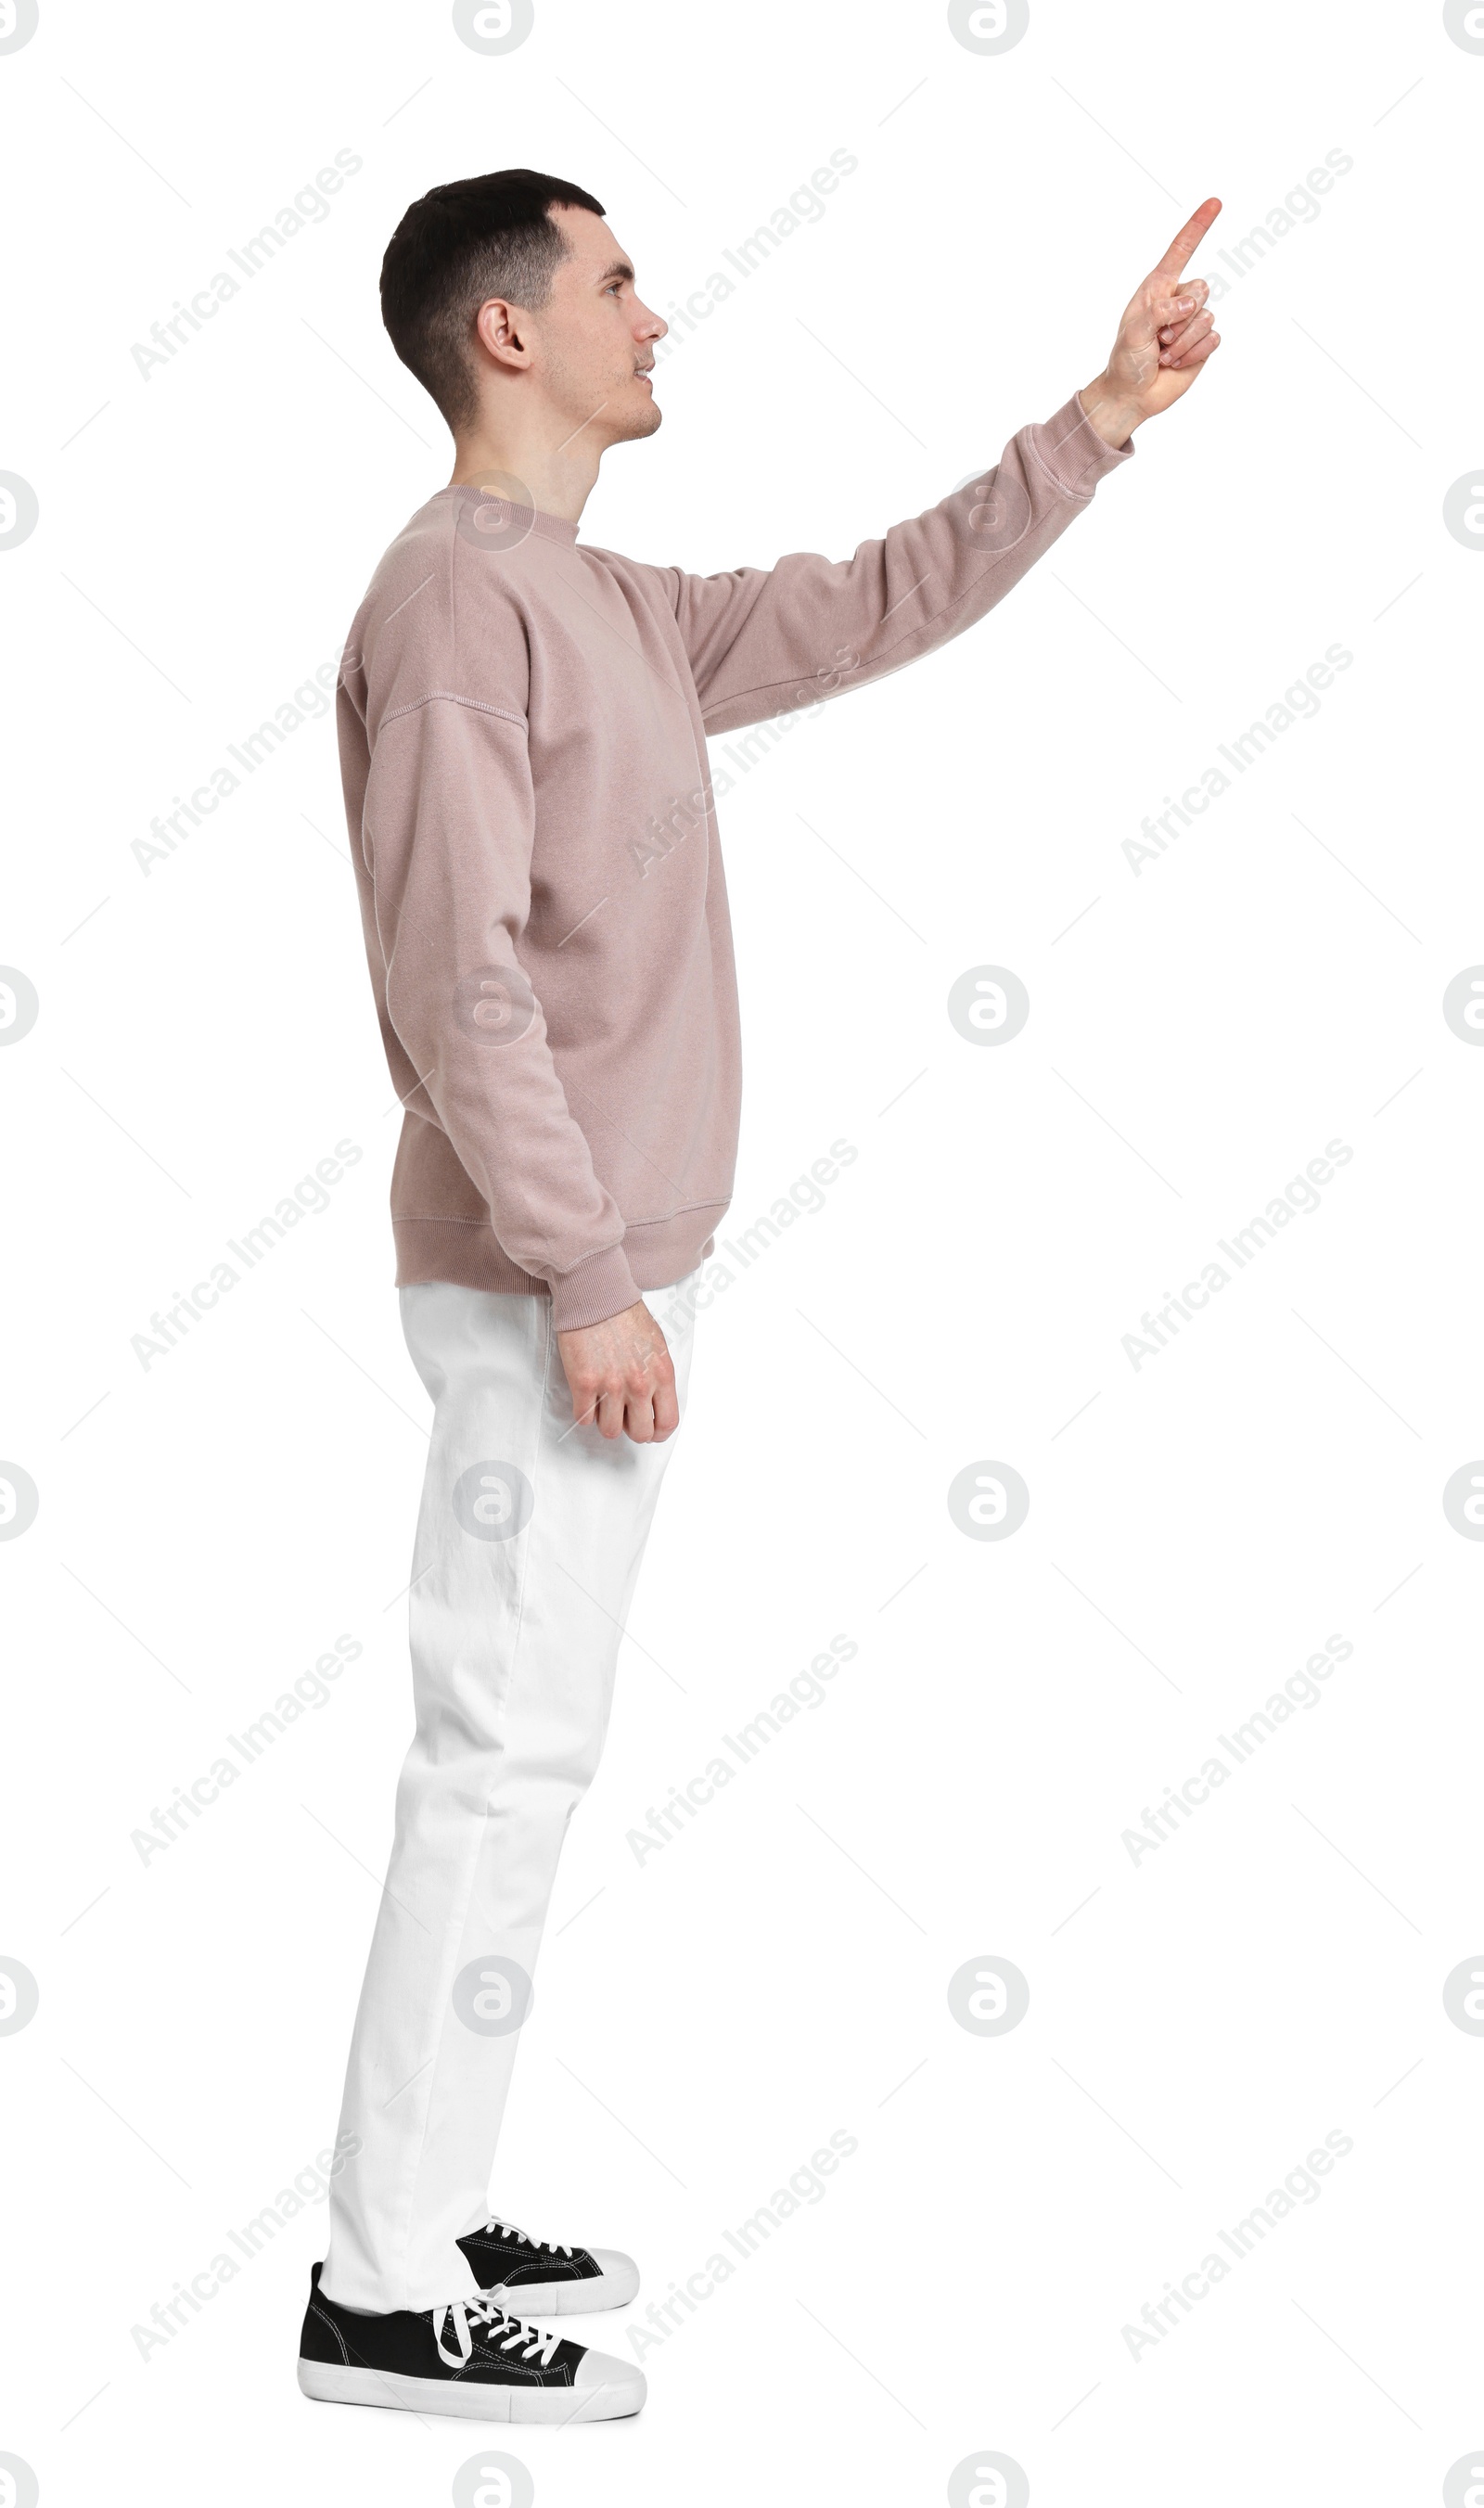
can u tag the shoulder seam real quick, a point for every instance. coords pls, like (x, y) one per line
(451, 696)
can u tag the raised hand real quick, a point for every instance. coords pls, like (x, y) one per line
(1163, 339)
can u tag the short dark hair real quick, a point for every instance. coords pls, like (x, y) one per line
(462, 244)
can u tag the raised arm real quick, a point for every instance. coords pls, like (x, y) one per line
(766, 642)
(763, 642)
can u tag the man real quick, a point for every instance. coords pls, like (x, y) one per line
(522, 729)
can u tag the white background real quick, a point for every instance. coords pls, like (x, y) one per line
(1199, 2020)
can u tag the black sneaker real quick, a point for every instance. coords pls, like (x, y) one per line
(466, 2359)
(550, 2280)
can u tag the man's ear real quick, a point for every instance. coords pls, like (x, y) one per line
(501, 334)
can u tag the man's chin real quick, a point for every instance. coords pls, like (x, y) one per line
(643, 421)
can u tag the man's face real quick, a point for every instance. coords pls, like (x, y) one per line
(594, 339)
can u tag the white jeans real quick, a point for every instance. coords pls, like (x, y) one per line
(528, 1549)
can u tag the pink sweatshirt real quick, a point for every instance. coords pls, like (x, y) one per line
(522, 728)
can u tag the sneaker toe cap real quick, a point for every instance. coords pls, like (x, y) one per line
(615, 2267)
(623, 2380)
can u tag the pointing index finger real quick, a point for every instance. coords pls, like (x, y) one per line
(1187, 240)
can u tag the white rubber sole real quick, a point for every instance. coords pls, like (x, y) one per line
(570, 2298)
(616, 2399)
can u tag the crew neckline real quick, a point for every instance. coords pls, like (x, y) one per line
(546, 526)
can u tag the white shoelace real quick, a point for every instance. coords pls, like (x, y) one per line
(486, 2318)
(509, 2230)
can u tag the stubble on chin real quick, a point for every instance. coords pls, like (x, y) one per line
(646, 419)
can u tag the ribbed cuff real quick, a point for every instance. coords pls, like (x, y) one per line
(1069, 446)
(599, 1286)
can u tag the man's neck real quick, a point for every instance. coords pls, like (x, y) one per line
(557, 482)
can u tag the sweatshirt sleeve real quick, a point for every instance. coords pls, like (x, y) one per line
(448, 827)
(763, 642)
